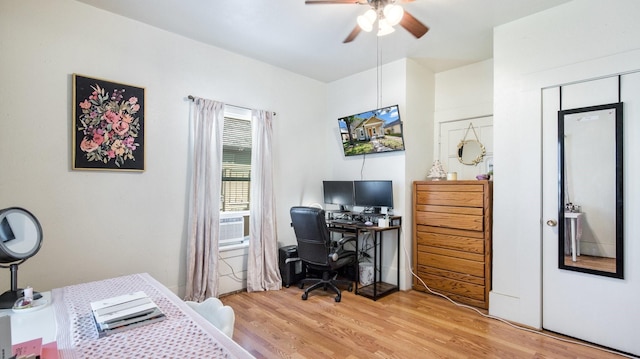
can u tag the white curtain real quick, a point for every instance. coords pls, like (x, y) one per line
(204, 200)
(262, 272)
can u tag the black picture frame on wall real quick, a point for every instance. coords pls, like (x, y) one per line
(108, 125)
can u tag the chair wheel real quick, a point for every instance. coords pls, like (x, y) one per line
(286, 285)
(350, 288)
(300, 285)
(304, 296)
(338, 299)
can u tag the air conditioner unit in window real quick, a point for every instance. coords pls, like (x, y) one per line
(231, 230)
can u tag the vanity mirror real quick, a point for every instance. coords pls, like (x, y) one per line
(470, 152)
(590, 224)
(20, 239)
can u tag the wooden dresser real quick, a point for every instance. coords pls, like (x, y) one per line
(452, 239)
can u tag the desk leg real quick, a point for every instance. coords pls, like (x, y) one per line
(573, 240)
(377, 256)
(398, 259)
(357, 260)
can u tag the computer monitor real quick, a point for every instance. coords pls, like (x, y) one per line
(338, 192)
(374, 194)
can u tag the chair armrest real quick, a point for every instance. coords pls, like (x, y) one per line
(344, 240)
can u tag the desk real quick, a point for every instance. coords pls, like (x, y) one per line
(183, 334)
(378, 288)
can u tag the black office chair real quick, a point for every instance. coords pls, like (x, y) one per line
(318, 252)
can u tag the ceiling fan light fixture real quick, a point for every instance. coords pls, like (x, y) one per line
(393, 14)
(366, 20)
(384, 28)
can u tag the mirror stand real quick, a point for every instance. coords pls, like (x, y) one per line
(9, 298)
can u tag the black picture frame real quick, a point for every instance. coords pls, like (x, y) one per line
(108, 125)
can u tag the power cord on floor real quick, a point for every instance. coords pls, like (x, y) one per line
(406, 253)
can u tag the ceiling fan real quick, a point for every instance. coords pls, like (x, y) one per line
(386, 12)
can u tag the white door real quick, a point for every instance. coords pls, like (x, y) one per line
(590, 307)
(452, 132)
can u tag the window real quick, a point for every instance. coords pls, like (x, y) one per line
(236, 179)
(236, 160)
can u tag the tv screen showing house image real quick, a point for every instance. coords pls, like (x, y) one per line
(375, 131)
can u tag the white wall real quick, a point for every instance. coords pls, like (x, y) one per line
(463, 95)
(418, 134)
(99, 224)
(464, 92)
(573, 42)
(232, 270)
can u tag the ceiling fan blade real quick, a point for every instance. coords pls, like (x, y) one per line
(352, 35)
(316, 2)
(413, 25)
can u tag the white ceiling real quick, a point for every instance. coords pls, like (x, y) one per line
(307, 39)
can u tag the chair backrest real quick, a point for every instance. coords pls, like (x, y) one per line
(314, 240)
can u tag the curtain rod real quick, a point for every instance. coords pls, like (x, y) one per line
(193, 98)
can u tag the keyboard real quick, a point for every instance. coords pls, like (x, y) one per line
(344, 221)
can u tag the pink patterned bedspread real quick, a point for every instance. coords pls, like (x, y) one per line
(183, 334)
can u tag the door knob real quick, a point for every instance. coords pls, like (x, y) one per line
(552, 223)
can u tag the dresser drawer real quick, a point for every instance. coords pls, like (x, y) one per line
(450, 220)
(458, 265)
(462, 277)
(451, 198)
(451, 242)
(461, 288)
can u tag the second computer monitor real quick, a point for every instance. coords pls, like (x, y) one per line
(374, 194)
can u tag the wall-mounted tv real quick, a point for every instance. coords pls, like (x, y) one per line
(375, 131)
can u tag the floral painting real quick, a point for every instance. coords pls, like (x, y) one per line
(108, 130)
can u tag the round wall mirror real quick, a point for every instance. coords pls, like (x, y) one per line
(470, 152)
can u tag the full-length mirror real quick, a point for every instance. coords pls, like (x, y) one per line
(590, 203)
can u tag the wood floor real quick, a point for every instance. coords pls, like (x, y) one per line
(596, 263)
(278, 324)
